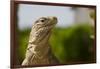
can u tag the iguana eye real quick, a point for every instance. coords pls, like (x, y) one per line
(43, 19)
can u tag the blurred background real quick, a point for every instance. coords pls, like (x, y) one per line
(72, 40)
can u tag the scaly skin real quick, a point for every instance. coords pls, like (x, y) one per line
(38, 51)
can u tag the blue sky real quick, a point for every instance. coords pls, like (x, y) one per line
(27, 14)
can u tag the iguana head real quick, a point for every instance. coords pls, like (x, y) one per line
(41, 29)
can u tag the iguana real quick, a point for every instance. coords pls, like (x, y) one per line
(38, 51)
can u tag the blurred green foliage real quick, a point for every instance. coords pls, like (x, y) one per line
(70, 44)
(23, 37)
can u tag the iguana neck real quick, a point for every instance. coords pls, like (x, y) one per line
(39, 40)
(41, 36)
(42, 50)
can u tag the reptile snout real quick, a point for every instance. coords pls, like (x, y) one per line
(53, 18)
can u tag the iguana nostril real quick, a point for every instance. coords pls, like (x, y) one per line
(55, 18)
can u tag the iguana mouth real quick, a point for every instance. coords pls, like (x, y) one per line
(50, 24)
